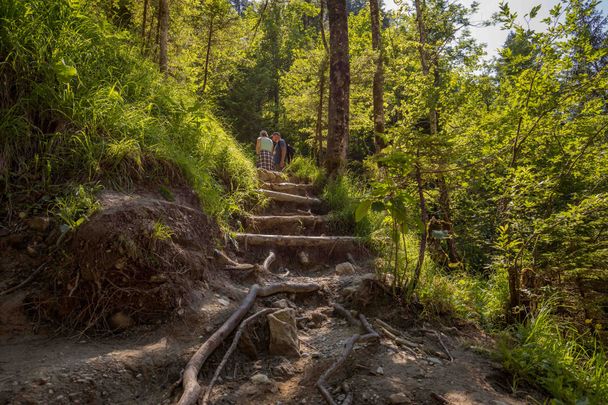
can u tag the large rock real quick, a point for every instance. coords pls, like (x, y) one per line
(283, 333)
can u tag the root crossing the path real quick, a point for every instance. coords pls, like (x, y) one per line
(192, 388)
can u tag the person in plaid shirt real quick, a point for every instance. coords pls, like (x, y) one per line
(263, 149)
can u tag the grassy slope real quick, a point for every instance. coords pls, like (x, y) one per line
(80, 106)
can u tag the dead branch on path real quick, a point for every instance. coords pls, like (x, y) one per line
(231, 349)
(192, 388)
(348, 348)
(445, 349)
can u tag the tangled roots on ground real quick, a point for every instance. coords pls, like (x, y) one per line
(136, 261)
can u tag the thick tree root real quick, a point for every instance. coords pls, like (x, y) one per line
(232, 348)
(192, 388)
(370, 334)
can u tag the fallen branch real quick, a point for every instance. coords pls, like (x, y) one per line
(192, 388)
(235, 341)
(396, 334)
(348, 348)
(24, 282)
(445, 349)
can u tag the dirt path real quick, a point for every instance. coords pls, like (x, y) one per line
(141, 365)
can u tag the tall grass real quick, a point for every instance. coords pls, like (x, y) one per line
(554, 355)
(78, 104)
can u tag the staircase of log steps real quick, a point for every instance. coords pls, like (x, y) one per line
(296, 226)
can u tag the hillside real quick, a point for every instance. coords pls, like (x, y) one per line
(426, 223)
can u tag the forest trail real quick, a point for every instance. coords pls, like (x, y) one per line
(409, 364)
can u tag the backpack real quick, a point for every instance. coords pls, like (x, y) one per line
(290, 153)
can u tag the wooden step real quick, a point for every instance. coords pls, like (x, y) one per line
(288, 224)
(256, 239)
(290, 188)
(291, 198)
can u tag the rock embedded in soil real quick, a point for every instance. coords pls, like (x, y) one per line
(260, 379)
(303, 258)
(399, 398)
(344, 269)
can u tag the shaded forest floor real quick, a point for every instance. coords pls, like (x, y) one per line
(143, 363)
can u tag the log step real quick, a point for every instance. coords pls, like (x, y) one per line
(288, 224)
(292, 198)
(291, 188)
(256, 239)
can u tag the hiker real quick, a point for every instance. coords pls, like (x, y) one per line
(263, 149)
(280, 152)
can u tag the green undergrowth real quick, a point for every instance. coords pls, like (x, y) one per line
(554, 355)
(545, 350)
(305, 169)
(343, 195)
(80, 107)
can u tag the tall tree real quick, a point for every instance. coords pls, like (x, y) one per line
(339, 87)
(430, 66)
(378, 83)
(163, 20)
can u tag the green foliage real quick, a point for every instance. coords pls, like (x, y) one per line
(342, 195)
(305, 169)
(558, 358)
(161, 231)
(84, 106)
(77, 206)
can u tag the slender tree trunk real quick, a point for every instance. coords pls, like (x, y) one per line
(444, 195)
(150, 30)
(424, 217)
(319, 126)
(378, 83)
(143, 23)
(339, 87)
(208, 54)
(164, 34)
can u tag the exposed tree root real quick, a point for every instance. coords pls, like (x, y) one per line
(371, 334)
(24, 282)
(232, 264)
(232, 348)
(271, 257)
(192, 389)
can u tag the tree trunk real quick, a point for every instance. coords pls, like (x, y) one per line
(424, 217)
(207, 56)
(143, 23)
(378, 83)
(339, 87)
(150, 30)
(319, 126)
(444, 194)
(164, 33)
